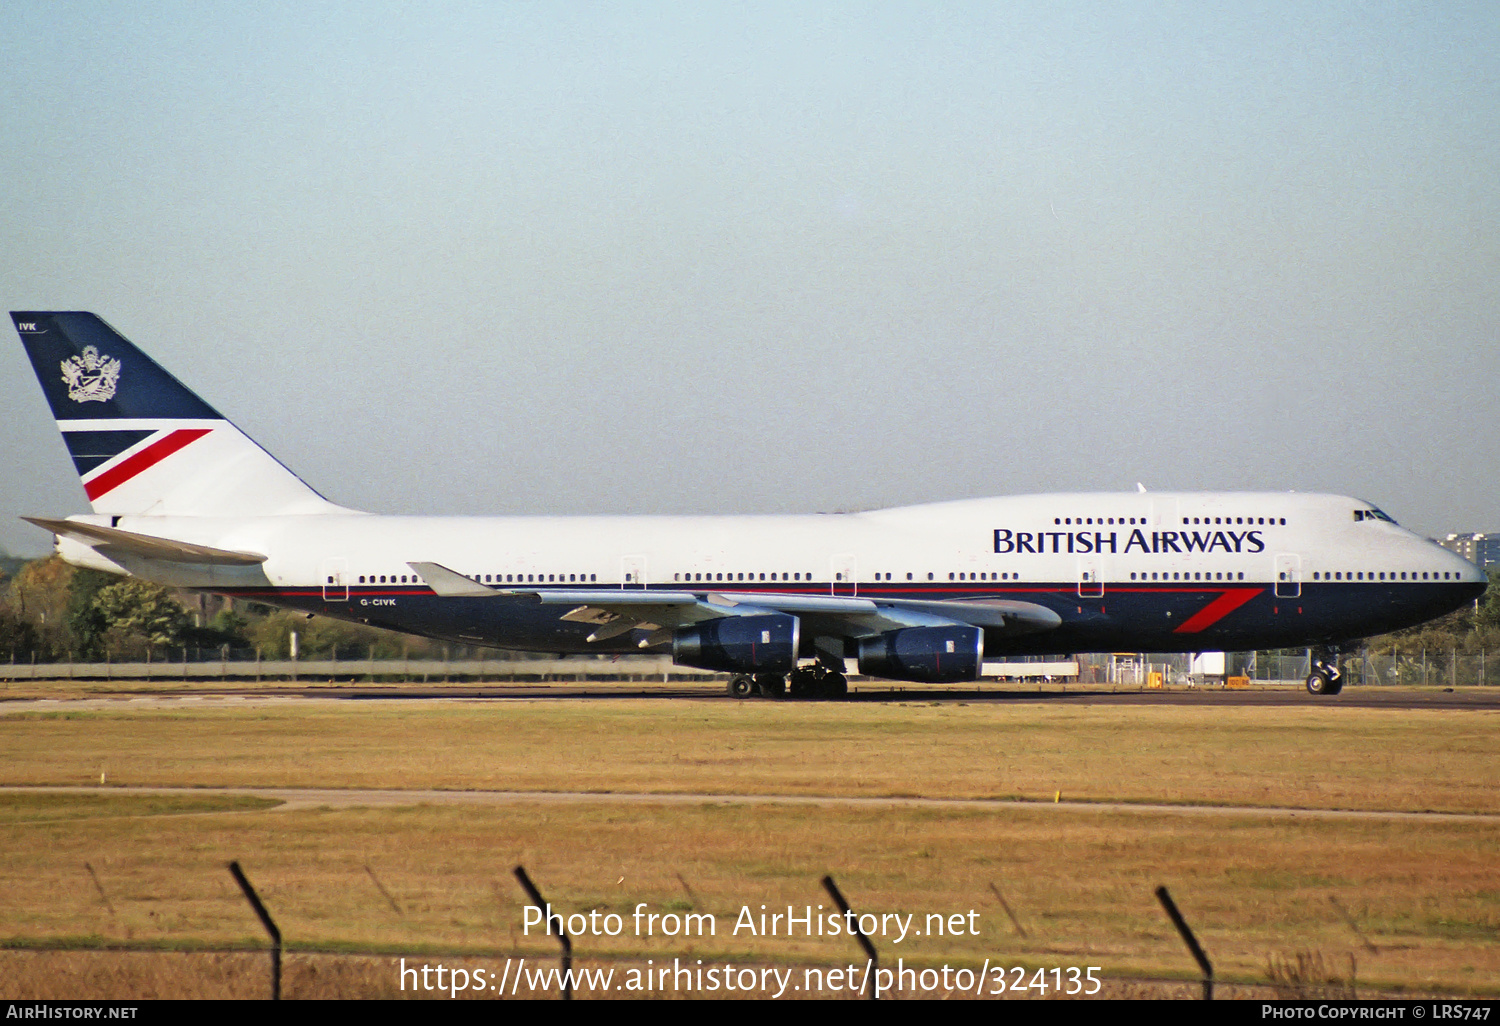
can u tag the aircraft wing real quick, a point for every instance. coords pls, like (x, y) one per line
(614, 611)
(861, 617)
(618, 610)
(167, 550)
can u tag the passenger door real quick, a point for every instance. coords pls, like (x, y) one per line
(843, 576)
(1090, 583)
(335, 579)
(1288, 575)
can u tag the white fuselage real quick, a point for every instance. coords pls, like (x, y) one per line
(1082, 553)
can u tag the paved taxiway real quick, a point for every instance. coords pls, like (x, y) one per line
(214, 691)
(295, 798)
(1469, 699)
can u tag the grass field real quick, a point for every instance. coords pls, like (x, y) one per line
(1313, 757)
(1415, 903)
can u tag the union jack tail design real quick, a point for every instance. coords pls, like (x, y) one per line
(143, 443)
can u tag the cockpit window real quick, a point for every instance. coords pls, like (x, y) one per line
(1372, 514)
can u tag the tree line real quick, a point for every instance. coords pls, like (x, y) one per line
(55, 612)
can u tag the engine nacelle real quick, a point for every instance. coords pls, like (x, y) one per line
(930, 655)
(758, 643)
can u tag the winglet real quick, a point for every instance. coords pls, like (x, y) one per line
(450, 583)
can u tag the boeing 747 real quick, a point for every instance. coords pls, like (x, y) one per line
(183, 498)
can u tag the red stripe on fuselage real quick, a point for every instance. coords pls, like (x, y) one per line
(141, 461)
(1218, 609)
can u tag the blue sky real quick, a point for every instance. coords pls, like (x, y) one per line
(558, 258)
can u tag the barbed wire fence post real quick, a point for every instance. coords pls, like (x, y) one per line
(1188, 939)
(543, 906)
(859, 935)
(267, 922)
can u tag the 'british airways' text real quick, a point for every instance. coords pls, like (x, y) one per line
(1008, 541)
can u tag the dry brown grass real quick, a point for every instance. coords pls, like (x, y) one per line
(1302, 757)
(1082, 886)
(125, 976)
(1307, 976)
(1422, 892)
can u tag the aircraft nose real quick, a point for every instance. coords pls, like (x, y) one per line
(1473, 578)
(1464, 570)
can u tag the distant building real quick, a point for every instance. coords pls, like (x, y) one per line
(1488, 551)
(1483, 549)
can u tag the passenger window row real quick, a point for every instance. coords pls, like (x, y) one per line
(1097, 521)
(1337, 575)
(482, 578)
(1230, 521)
(1196, 575)
(955, 577)
(695, 576)
(1382, 575)
(1187, 521)
(540, 578)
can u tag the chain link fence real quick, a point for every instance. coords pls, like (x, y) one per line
(1438, 666)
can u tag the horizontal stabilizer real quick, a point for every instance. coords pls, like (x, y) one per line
(147, 546)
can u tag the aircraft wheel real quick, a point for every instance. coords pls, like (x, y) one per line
(802, 683)
(772, 685)
(826, 683)
(1317, 684)
(836, 685)
(1335, 686)
(741, 685)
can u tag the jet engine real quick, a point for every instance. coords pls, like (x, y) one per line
(757, 643)
(930, 655)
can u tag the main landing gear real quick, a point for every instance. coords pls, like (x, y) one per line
(816, 682)
(743, 685)
(1326, 678)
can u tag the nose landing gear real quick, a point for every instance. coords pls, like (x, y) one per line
(1326, 678)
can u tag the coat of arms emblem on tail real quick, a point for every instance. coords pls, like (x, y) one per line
(91, 377)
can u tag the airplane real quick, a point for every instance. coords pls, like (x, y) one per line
(926, 593)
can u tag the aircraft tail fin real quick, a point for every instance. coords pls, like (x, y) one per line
(143, 443)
